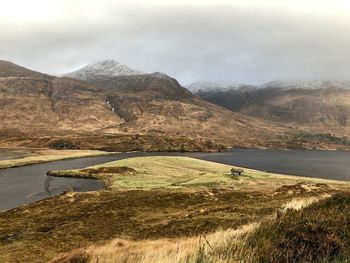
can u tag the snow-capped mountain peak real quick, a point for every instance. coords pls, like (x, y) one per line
(103, 68)
(206, 86)
(307, 84)
(214, 86)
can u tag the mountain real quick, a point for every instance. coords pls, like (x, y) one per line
(156, 103)
(106, 68)
(130, 112)
(154, 84)
(320, 106)
(36, 103)
(134, 112)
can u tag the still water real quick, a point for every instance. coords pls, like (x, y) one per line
(23, 185)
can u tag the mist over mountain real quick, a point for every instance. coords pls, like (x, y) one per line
(212, 85)
(316, 105)
(282, 84)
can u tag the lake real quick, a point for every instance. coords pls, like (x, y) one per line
(27, 184)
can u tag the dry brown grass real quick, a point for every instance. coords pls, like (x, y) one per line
(49, 155)
(319, 233)
(300, 203)
(222, 246)
(209, 247)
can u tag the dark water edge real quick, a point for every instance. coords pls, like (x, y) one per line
(334, 165)
(27, 184)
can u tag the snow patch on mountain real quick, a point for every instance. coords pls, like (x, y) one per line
(307, 84)
(109, 68)
(206, 86)
(214, 86)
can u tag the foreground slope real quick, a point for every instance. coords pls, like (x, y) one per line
(150, 198)
(310, 230)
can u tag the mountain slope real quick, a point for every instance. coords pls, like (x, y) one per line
(9, 69)
(156, 103)
(32, 102)
(317, 106)
(114, 112)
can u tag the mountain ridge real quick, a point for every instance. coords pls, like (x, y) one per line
(36, 105)
(283, 84)
(319, 106)
(9, 69)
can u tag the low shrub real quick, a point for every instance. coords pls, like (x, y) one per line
(62, 144)
(318, 233)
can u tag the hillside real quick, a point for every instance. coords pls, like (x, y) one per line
(9, 69)
(43, 110)
(315, 106)
(157, 104)
(36, 103)
(105, 112)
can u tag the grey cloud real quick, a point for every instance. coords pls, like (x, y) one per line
(190, 43)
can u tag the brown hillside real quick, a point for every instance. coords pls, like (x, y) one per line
(35, 105)
(32, 102)
(318, 110)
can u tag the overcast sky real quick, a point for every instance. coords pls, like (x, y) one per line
(250, 41)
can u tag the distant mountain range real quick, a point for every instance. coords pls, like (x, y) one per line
(108, 101)
(283, 84)
(211, 85)
(319, 106)
(307, 84)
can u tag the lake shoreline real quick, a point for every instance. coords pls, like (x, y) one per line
(25, 184)
(37, 159)
(156, 197)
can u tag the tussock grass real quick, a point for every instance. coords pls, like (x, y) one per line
(221, 246)
(316, 232)
(319, 233)
(300, 203)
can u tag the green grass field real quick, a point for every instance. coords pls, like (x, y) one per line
(176, 173)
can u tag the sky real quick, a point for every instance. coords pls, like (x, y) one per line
(250, 41)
